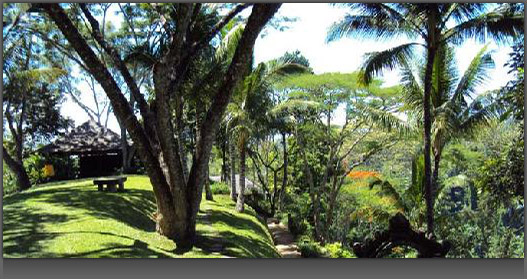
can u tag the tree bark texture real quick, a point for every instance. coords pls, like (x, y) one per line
(431, 53)
(427, 145)
(18, 169)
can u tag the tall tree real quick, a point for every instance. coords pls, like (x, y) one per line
(177, 200)
(313, 102)
(31, 100)
(452, 115)
(251, 104)
(435, 25)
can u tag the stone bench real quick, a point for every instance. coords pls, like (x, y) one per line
(111, 183)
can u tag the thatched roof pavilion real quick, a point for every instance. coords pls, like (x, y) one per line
(98, 148)
(90, 137)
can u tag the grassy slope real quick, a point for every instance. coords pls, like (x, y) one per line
(72, 219)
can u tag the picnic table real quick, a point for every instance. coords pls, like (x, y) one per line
(111, 183)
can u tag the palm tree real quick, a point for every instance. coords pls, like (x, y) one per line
(451, 115)
(435, 25)
(250, 105)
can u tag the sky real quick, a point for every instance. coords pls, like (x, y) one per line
(308, 34)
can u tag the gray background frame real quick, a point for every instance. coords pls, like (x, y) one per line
(263, 268)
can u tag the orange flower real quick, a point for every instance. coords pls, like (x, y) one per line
(362, 174)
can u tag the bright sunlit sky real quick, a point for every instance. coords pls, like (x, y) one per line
(308, 35)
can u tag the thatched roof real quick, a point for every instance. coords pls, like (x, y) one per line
(89, 137)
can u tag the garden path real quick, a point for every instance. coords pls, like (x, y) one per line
(283, 239)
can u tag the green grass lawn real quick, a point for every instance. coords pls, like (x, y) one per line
(73, 219)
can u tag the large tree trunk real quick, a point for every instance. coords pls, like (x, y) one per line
(182, 151)
(125, 149)
(241, 190)
(170, 216)
(233, 170)
(260, 15)
(22, 179)
(177, 201)
(181, 139)
(199, 111)
(427, 139)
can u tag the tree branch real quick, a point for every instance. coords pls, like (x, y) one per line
(364, 157)
(112, 52)
(86, 109)
(119, 103)
(260, 15)
(224, 21)
(355, 143)
(59, 47)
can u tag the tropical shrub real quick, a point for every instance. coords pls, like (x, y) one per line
(219, 188)
(335, 250)
(311, 249)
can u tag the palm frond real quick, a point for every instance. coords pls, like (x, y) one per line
(384, 119)
(412, 90)
(384, 15)
(366, 27)
(387, 189)
(228, 44)
(376, 62)
(480, 112)
(475, 75)
(461, 12)
(415, 192)
(252, 84)
(497, 25)
(142, 55)
(43, 74)
(445, 126)
(444, 75)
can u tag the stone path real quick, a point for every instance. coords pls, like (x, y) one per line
(283, 239)
(216, 247)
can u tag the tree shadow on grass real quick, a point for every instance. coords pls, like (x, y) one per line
(23, 231)
(233, 244)
(236, 222)
(31, 249)
(87, 180)
(24, 234)
(138, 249)
(23, 226)
(132, 207)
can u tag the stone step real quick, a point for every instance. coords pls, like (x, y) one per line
(283, 239)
